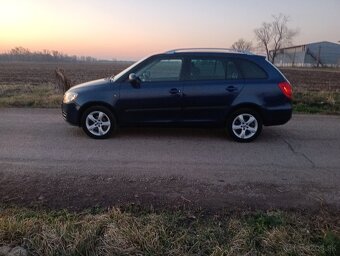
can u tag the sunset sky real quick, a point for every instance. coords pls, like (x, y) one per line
(130, 29)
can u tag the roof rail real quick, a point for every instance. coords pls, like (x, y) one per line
(208, 50)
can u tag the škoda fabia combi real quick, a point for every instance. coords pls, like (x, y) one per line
(238, 91)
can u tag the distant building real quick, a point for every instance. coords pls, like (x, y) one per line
(321, 54)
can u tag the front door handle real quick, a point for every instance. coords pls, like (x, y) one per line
(174, 91)
(231, 88)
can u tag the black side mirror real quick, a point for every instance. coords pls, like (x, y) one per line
(134, 80)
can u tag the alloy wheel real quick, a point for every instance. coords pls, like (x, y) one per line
(98, 123)
(245, 126)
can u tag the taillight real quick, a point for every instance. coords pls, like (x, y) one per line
(286, 89)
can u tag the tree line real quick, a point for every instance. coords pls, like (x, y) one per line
(24, 54)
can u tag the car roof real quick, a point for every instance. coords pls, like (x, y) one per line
(210, 52)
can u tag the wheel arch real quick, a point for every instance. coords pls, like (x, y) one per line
(92, 104)
(252, 106)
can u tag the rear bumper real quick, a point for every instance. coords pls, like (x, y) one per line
(277, 116)
(70, 113)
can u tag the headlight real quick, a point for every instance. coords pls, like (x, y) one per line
(69, 96)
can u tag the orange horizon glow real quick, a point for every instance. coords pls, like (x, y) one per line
(131, 29)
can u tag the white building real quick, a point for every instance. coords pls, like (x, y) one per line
(321, 54)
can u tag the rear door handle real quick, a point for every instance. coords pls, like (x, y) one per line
(231, 88)
(174, 91)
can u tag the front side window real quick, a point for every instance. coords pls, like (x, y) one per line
(207, 69)
(161, 70)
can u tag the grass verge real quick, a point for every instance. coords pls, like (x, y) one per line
(114, 232)
(313, 102)
(40, 96)
(45, 96)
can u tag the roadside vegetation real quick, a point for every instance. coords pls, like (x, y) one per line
(316, 90)
(39, 96)
(137, 232)
(46, 96)
(314, 102)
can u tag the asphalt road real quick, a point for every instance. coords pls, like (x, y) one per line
(46, 162)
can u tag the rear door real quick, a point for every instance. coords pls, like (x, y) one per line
(211, 84)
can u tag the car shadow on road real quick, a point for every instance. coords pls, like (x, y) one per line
(171, 132)
(269, 134)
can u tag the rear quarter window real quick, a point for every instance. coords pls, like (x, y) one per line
(207, 69)
(213, 69)
(251, 70)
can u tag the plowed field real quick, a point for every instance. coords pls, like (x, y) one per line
(41, 73)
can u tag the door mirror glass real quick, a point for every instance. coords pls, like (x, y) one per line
(133, 77)
(134, 80)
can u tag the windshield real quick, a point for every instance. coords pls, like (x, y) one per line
(127, 70)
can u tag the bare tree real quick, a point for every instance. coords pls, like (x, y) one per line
(242, 45)
(272, 36)
(264, 37)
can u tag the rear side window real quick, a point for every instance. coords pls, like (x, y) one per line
(232, 72)
(207, 69)
(250, 70)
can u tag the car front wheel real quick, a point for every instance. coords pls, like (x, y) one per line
(244, 125)
(98, 122)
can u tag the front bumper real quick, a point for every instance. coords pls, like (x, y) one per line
(70, 113)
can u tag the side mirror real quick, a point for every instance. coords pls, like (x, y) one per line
(132, 77)
(134, 80)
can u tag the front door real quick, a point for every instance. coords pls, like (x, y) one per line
(157, 96)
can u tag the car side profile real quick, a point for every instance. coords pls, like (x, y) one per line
(238, 91)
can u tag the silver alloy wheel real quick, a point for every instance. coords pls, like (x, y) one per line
(98, 123)
(245, 126)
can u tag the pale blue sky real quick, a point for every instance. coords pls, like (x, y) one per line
(130, 29)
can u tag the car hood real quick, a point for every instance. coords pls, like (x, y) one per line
(90, 85)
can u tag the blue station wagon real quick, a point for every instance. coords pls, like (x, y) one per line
(236, 90)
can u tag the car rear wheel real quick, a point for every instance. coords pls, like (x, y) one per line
(244, 125)
(98, 122)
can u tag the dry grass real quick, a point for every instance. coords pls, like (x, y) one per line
(323, 101)
(42, 96)
(114, 232)
(45, 96)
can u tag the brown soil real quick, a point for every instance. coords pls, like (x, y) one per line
(44, 73)
(314, 79)
(76, 193)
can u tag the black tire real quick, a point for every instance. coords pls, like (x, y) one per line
(248, 131)
(101, 119)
